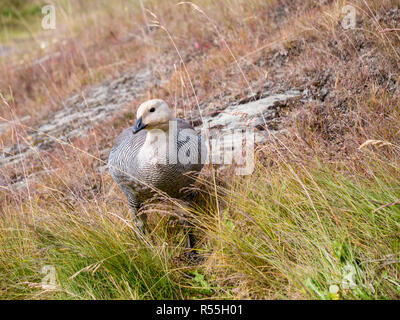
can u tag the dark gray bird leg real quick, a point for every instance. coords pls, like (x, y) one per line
(139, 219)
(191, 253)
(187, 227)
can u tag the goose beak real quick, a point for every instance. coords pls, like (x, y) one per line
(139, 125)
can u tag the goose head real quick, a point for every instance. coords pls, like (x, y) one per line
(153, 114)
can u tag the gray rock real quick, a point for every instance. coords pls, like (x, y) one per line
(251, 114)
(5, 126)
(255, 116)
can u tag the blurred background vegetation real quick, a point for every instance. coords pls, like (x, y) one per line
(19, 17)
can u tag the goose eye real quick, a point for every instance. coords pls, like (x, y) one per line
(152, 109)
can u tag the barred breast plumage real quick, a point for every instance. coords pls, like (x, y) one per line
(144, 162)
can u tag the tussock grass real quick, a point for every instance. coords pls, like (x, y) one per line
(287, 231)
(96, 255)
(297, 229)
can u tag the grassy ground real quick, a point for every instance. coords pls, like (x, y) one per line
(318, 219)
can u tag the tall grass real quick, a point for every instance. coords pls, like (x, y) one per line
(295, 231)
(287, 231)
(96, 256)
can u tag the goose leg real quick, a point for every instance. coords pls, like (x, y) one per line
(191, 252)
(188, 227)
(139, 219)
(190, 240)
